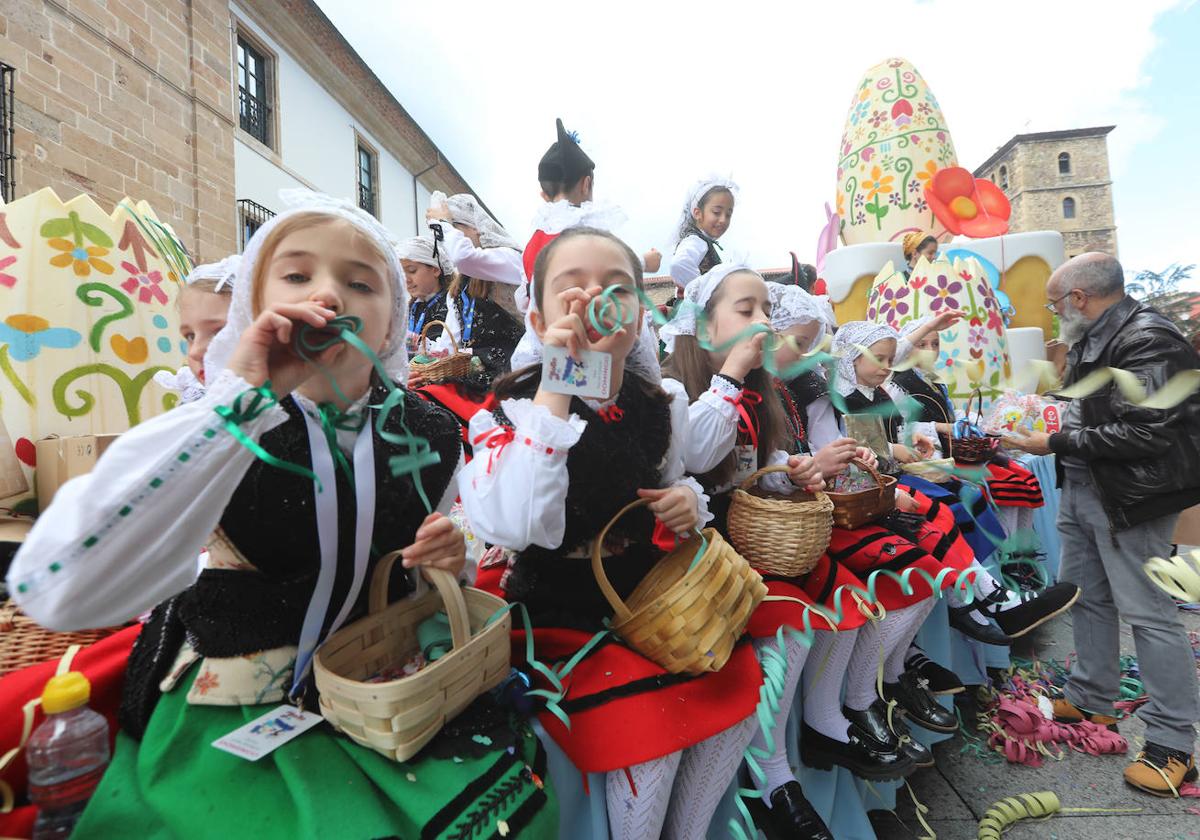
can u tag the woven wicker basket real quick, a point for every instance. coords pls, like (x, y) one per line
(685, 618)
(853, 510)
(23, 642)
(779, 534)
(973, 450)
(453, 366)
(397, 718)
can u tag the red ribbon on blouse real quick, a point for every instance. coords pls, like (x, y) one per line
(497, 438)
(747, 417)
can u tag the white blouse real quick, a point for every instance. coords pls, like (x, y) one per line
(712, 433)
(514, 494)
(498, 265)
(125, 537)
(685, 264)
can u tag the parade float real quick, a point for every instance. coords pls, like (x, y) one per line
(88, 315)
(898, 174)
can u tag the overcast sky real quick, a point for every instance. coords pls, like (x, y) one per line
(662, 93)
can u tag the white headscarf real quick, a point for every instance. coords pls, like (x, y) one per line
(696, 194)
(224, 272)
(393, 356)
(466, 210)
(419, 249)
(846, 346)
(696, 295)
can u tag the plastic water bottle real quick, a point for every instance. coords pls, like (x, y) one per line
(67, 755)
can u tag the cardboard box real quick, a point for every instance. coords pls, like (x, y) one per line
(62, 458)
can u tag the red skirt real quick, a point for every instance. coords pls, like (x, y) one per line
(828, 590)
(1011, 485)
(625, 709)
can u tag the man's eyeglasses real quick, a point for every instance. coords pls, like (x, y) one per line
(1050, 306)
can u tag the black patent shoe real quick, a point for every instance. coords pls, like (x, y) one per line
(859, 756)
(790, 816)
(961, 620)
(913, 696)
(873, 723)
(941, 680)
(920, 754)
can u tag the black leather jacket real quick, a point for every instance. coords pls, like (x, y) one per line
(1144, 462)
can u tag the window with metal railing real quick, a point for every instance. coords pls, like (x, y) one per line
(251, 216)
(254, 92)
(8, 156)
(368, 167)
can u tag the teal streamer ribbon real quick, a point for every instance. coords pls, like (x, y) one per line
(247, 406)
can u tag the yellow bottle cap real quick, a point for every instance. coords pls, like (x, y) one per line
(65, 692)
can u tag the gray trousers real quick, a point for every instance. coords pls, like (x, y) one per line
(1113, 585)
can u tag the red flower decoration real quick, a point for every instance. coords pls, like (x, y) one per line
(968, 205)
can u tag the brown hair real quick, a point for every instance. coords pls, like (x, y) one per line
(691, 366)
(519, 380)
(286, 227)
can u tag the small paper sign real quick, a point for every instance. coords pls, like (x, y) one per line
(267, 733)
(588, 376)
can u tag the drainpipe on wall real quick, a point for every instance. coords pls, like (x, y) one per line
(416, 209)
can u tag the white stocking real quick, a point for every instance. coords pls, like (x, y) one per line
(892, 634)
(893, 664)
(822, 677)
(775, 766)
(704, 775)
(633, 817)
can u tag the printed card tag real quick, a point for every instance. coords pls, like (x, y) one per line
(588, 376)
(746, 455)
(267, 733)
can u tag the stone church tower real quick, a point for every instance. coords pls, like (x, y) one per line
(1059, 180)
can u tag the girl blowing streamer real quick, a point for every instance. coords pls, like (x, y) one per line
(288, 561)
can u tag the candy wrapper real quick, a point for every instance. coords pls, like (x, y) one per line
(1031, 412)
(853, 480)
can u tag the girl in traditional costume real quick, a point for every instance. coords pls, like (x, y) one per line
(288, 559)
(707, 212)
(550, 470)
(203, 309)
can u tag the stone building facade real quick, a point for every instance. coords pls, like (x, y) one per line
(146, 100)
(1059, 180)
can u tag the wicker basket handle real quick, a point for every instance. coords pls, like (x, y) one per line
(424, 341)
(620, 611)
(874, 474)
(749, 482)
(446, 584)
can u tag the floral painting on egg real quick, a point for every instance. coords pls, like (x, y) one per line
(974, 351)
(894, 141)
(87, 317)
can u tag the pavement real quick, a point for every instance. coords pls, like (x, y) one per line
(961, 788)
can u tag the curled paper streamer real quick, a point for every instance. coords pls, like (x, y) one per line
(1040, 805)
(1179, 577)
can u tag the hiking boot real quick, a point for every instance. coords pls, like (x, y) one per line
(942, 681)
(1067, 712)
(1160, 771)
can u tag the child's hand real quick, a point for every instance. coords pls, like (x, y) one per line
(439, 213)
(652, 259)
(903, 454)
(745, 356)
(945, 320)
(804, 472)
(415, 380)
(904, 502)
(264, 352)
(924, 446)
(569, 331)
(833, 458)
(439, 544)
(675, 507)
(867, 455)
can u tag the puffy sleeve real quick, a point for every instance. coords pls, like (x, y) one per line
(777, 482)
(125, 537)
(674, 471)
(712, 426)
(499, 265)
(822, 423)
(514, 490)
(685, 264)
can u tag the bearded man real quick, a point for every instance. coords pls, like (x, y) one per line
(1125, 471)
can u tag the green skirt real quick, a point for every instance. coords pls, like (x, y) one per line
(472, 781)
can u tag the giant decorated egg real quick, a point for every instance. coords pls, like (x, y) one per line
(974, 352)
(88, 315)
(894, 140)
